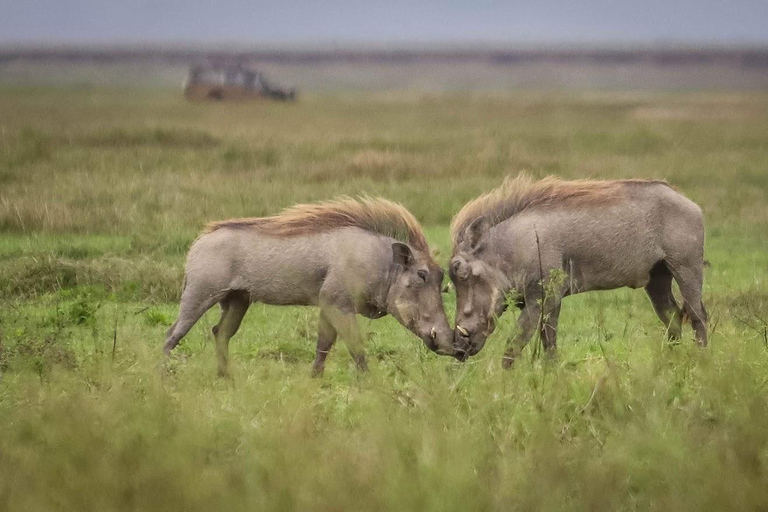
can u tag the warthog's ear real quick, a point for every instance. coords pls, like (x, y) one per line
(477, 232)
(401, 254)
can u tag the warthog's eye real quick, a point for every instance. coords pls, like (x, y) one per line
(423, 275)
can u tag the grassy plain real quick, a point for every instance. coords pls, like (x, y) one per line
(102, 190)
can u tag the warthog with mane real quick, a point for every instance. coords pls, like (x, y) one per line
(532, 243)
(347, 256)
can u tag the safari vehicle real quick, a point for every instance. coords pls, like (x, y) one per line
(219, 83)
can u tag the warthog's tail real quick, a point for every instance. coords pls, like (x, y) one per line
(686, 318)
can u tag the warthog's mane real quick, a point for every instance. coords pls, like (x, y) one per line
(523, 193)
(371, 214)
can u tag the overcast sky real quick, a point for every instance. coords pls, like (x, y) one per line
(383, 21)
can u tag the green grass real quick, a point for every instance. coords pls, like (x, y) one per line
(101, 192)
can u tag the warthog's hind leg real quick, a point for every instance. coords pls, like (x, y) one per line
(659, 290)
(691, 280)
(192, 307)
(233, 309)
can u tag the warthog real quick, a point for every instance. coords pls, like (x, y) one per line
(531, 243)
(366, 256)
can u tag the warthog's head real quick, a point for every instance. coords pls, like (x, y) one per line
(479, 290)
(414, 298)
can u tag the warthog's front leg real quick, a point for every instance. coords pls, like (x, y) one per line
(526, 325)
(326, 337)
(345, 324)
(548, 327)
(532, 319)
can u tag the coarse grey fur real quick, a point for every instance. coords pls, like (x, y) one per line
(643, 237)
(344, 271)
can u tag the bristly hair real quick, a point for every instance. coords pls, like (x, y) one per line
(522, 193)
(377, 215)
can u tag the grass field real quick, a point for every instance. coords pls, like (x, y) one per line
(102, 190)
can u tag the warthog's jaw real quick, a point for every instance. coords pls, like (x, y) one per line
(429, 340)
(405, 314)
(439, 341)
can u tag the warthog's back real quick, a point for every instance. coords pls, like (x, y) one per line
(283, 270)
(611, 243)
(274, 270)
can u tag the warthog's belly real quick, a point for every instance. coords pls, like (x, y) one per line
(583, 278)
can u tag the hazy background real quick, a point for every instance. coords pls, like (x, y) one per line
(323, 21)
(368, 46)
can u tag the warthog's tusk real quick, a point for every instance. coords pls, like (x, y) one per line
(462, 331)
(433, 333)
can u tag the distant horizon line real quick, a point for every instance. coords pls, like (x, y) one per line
(350, 46)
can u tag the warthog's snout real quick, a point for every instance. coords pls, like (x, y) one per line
(461, 344)
(467, 343)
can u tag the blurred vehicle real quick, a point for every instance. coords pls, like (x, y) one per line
(233, 82)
